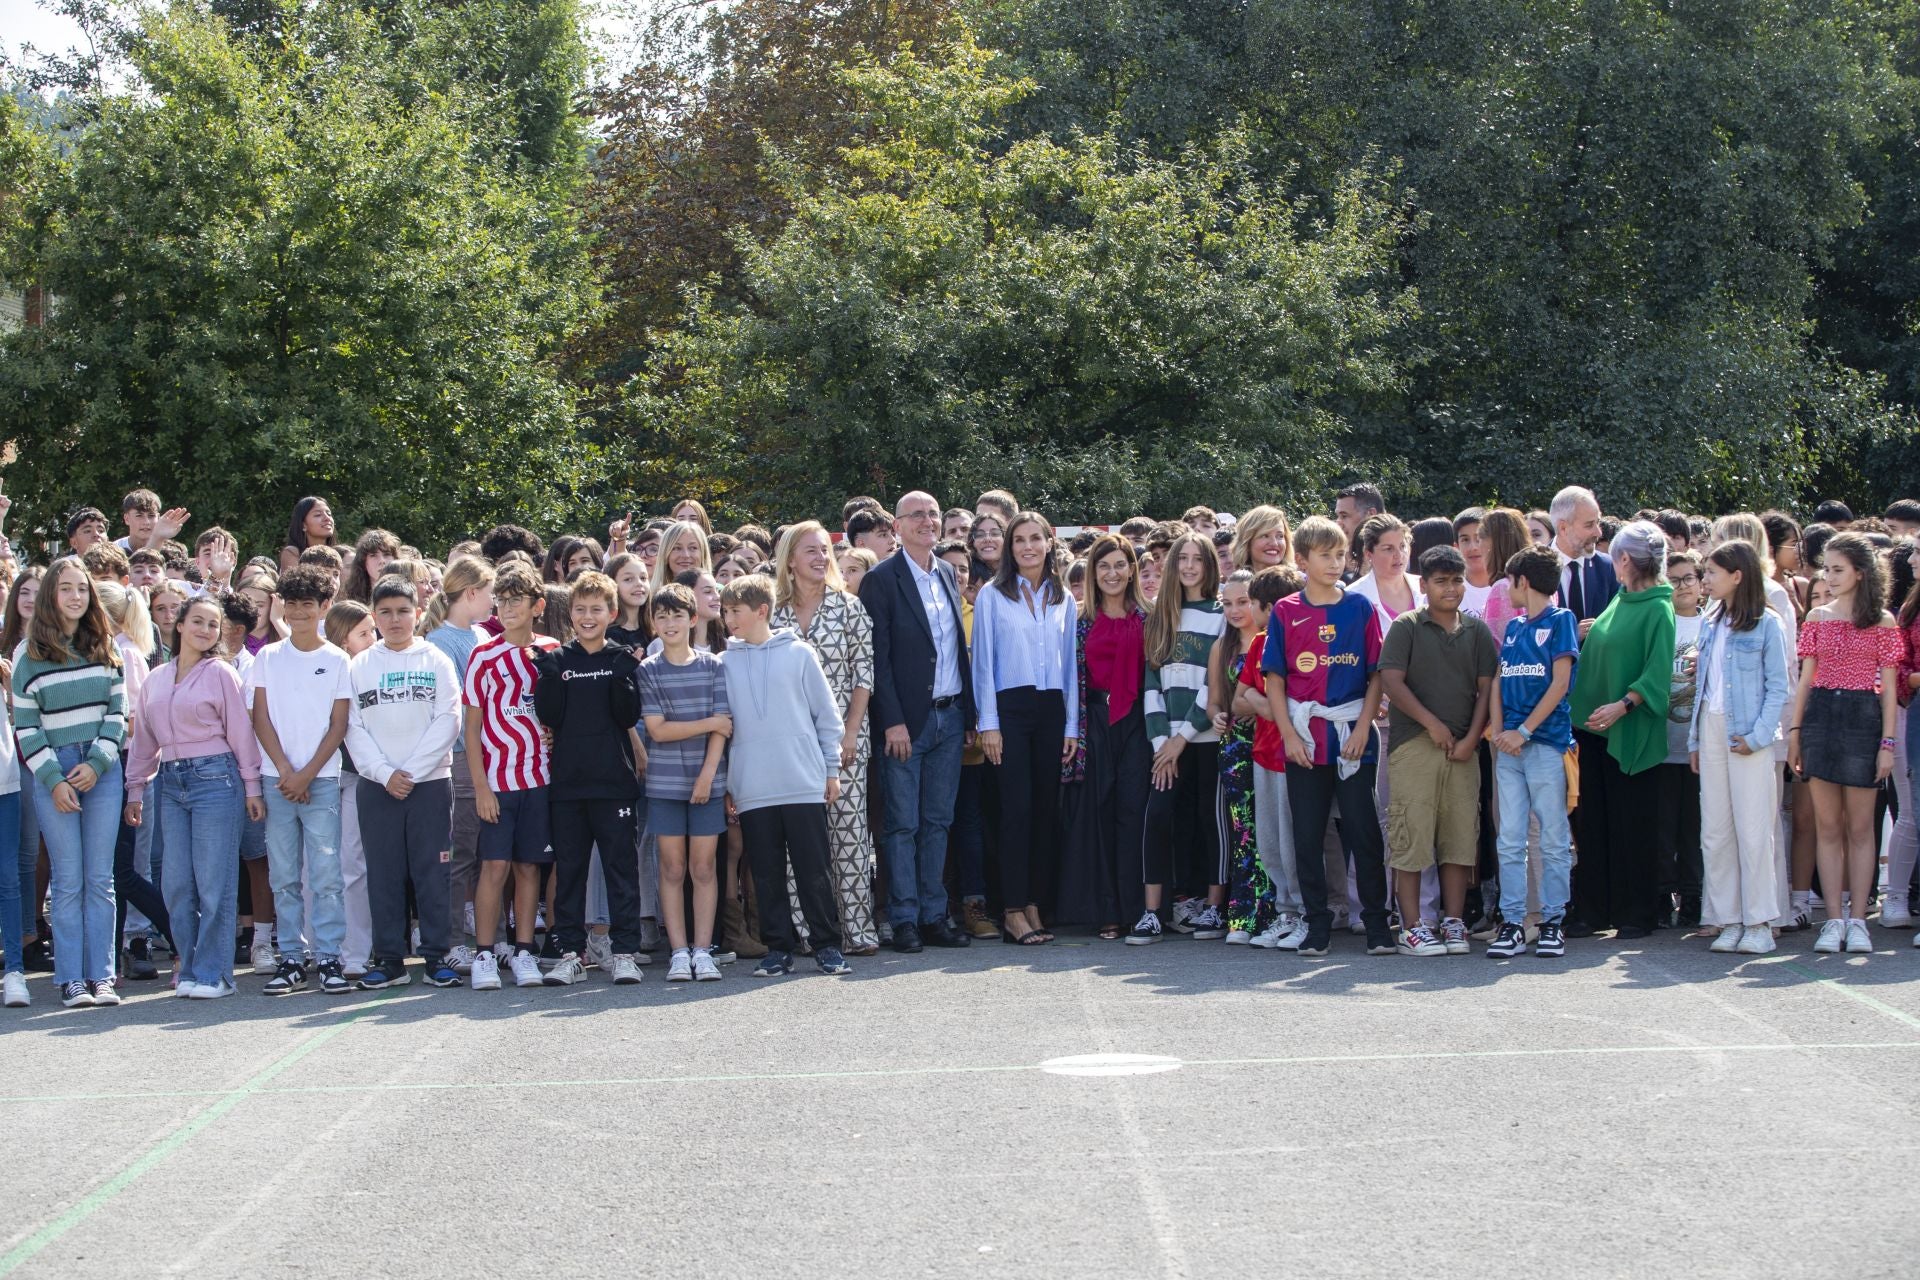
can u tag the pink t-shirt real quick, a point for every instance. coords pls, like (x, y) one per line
(1850, 657)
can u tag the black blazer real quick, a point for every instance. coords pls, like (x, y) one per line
(903, 652)
(1599, 585)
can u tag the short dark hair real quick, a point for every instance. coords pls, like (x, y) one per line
(1136, 528)
(394, 587)
(859, 503)
(1223, 537)
(1813, 543)
(866, 520)
(1674, 524)
(503, 538)
(1081, 541)
(952, 546)
(81, 516)
(239, 610)
(1472, 515)
(1275, 583)
(1538, 567)
(1833, 510)
(1368, 496)
(1445, 558)
(145, 501)
(672, 598)
(1434, 531)
(306, 582)
(145, 555)
(1904, 509)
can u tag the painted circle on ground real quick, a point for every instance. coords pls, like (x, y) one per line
(1111, 1064)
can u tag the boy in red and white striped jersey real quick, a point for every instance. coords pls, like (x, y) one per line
(508, 760)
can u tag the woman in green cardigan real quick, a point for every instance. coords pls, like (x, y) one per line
(1621, 693)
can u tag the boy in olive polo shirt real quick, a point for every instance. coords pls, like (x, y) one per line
(1438, 666)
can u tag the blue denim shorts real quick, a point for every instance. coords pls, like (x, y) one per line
(681, 818)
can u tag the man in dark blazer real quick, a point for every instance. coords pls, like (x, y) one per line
(1588, 582)
(923, 706)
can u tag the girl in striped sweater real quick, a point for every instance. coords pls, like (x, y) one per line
(70, 709)
(1185, 796)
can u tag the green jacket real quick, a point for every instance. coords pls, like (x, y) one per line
(1630, 649)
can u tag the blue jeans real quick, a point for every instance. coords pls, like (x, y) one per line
(29, 861)
(203, 806)
(303, 853)
(12, 936)
(919, 793)
(1533, 782)
(80, 864)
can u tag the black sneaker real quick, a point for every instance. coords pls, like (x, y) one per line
(776, 964)
(1380, 942)
(1146, 931)
(1318, 940)
(333, 978)
(1510, 941)
(140, 966)
(288, 977)
(382, 974)
(1550, 942)
(831, 962)
(1688, 917)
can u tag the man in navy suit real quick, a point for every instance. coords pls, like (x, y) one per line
(1587, 580)
(923, 705)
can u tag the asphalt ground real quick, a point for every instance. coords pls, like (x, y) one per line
(1640, 1109)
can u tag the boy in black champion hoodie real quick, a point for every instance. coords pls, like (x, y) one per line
(586, 694)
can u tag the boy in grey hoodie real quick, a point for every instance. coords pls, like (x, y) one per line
(783, 772)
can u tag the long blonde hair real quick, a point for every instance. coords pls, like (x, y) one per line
(1260, 520)
(662, 572)
(783, 561)
(128, 610)
(1163, 624)
(462, 576)
(1744, 526)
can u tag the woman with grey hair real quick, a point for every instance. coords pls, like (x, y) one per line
(1620, 693)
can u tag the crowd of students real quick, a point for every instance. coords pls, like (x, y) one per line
(946, 725)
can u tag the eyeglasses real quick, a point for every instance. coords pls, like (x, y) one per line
(919, 515)
(1686, 581)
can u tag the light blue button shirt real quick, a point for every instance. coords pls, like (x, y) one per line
(1021, 643)
(943, 622)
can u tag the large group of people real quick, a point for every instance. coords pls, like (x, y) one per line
(941, 726)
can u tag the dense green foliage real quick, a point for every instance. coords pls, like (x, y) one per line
(1118, 254)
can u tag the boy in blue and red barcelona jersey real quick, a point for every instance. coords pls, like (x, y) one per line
(1325, 641)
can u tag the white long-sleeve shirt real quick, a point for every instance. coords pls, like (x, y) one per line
(405, 713)
(1022, 643)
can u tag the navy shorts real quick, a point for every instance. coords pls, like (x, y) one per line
(523, 834)
(676, 818)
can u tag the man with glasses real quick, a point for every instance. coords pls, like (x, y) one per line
(923, 706)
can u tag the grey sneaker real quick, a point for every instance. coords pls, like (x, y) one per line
(625, 972)
(680, 967)
(599, 953)
(1453, 932)
(566, 971)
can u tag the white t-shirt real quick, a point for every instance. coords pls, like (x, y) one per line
(1475, 603)
(301, 690)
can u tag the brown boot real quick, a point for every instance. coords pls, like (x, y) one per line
(740, 939)
(974, 920)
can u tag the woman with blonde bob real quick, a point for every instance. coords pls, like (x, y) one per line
(810, 597)
(683, 547)
(1262, 540)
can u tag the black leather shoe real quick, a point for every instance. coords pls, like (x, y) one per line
(940, 934)
(1579, 929)
(1631, 932)
(906, 939)
(140, 965)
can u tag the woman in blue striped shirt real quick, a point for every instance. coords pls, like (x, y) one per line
(70, 708)
(1025, 689)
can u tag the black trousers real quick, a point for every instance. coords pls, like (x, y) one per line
(796, 834)
(1681, 868)
(1311, 796)
(1616, 877)
(1099, 883)
(407, 843)
(129, 886)
(576, 826)
(1186, 840)
(1033, 729)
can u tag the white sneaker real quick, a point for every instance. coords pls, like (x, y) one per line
(704, 969)
(1180, 919)
(13, 990)
(625, 972)
(680, 968)
(212, 990)
(1238, 937)
(483, 972)
(1858, 943)
(462, 958)
(1270, 936)
(1453, 932)
(1208, 924)
(526, 969)
(265, 959)
(1894, 914)
(566, 971)
(1729, 939)
(1420, 940)
(599, 953)
(1833, 935)
(1757, 940)
(185, 990)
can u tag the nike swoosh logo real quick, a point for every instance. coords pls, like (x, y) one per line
(1294, 622)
